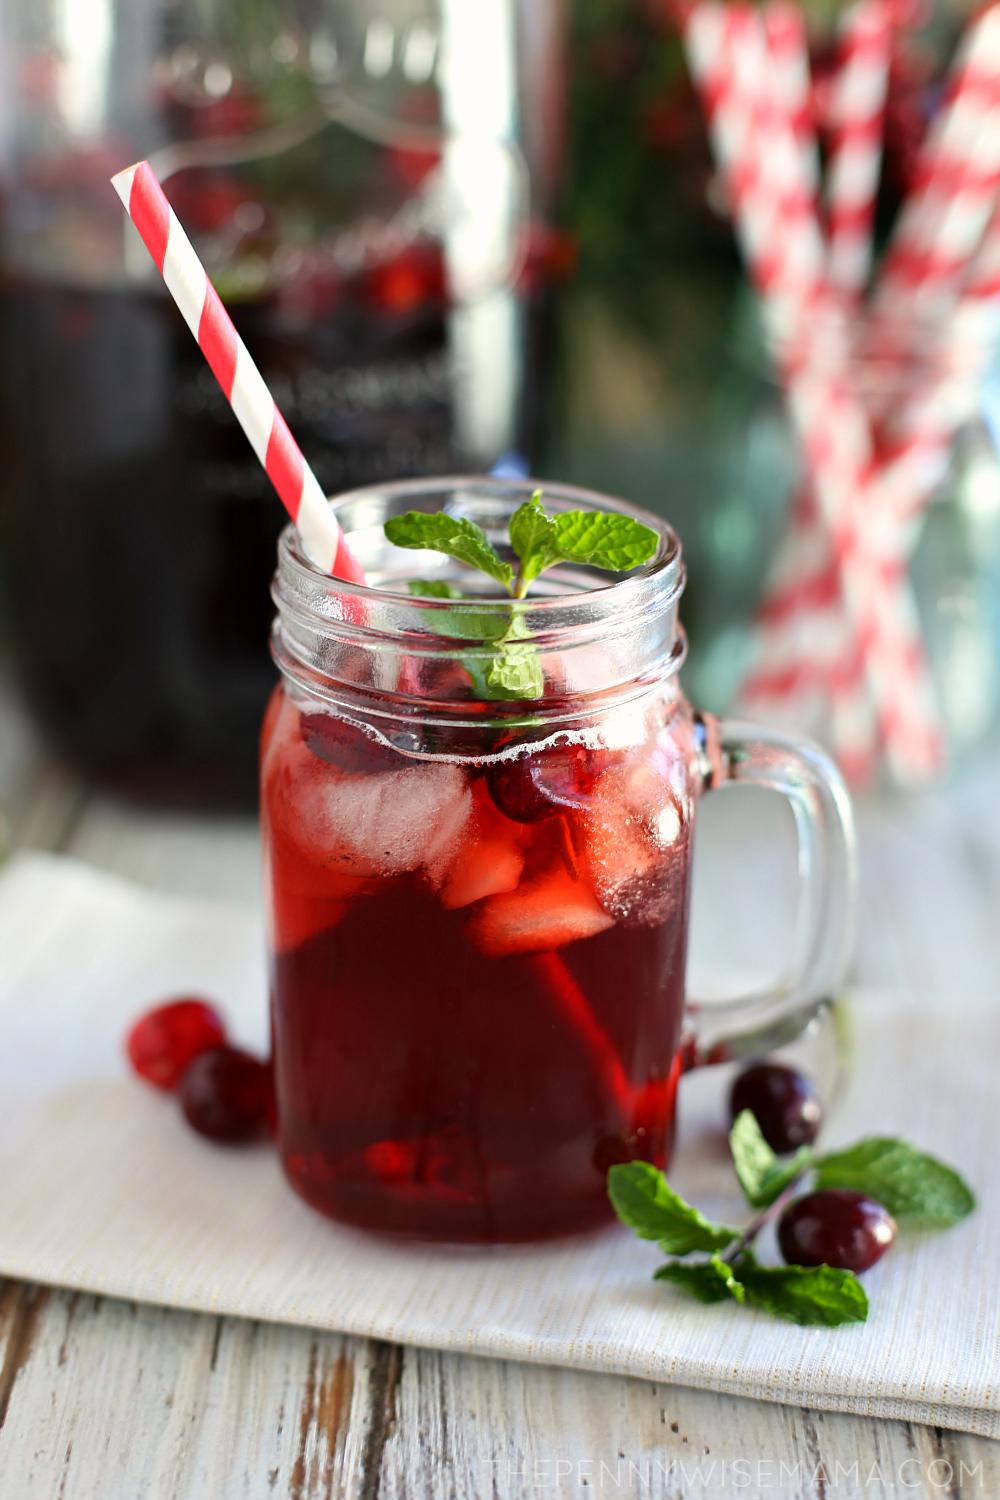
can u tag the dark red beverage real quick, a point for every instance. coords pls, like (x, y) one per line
(478, 970)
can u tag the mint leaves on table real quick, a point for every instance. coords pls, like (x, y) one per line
(601, 538)
(644, 1200)
(798, 1294)
(763, 1176)
(708, 1280)
(803, 1294)
(906, 1181)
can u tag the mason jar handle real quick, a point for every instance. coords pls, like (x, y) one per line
(740, 754)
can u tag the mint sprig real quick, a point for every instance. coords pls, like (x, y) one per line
(508, 665)
(535, 539)
(763, 1176)
(820, 1295)
(644, 1200)
(807, 1295)
(515, 672)
(906, 1181)
(604, 539)
(434, 588)
(909, 1183)
(452, 535)
(708, 1280)
(601, 538)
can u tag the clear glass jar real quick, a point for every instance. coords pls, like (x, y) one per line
(478, 905)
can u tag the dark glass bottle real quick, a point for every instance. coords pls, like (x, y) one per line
(362, 208)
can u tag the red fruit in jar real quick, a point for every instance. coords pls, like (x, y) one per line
(533, 787)
(786, 1104)
(345, 745)
(835, 1227)
(225, 1094)
(165, 1040)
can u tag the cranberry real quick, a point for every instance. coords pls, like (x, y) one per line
(346, 746)
(835, 1227)
(539, 786)
(224, 1094)
(163, 1042)
(786, 1104)
(514, 792)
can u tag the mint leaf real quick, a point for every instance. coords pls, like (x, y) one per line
(453, 535)
(643, 1199)
(901, 1178)
(712, 1281)
(803, 1294)
(807, 1295)
(433, 588)
(604, 539)
(516, 672)
(762, 1176)
(534, 538)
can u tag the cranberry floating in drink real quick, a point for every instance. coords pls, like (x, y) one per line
(478, 815)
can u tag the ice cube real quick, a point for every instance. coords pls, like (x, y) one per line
(381, 825)
(546, 912)
(635, 841)
(285, 753)
(489, 858)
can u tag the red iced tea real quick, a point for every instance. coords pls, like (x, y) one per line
(478, 967)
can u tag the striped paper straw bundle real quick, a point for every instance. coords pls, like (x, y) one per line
(241, 381)
(942, 224)
(774, 210)
(839, 631)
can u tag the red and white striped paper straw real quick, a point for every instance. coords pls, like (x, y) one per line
(857, 109)
(241, 381)
(944, 220)
(785, 26)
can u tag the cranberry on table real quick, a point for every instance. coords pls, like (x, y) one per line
(164, 1041)
(835, 1227)
(785, 1103)
(225, 1094)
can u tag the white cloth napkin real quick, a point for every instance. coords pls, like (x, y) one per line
(103, 1186)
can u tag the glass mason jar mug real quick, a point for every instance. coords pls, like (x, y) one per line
(478, 905)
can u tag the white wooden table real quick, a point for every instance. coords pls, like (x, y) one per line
(109, 1399)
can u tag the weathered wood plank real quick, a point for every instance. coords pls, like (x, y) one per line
(480, 1428)
(124, 1401)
